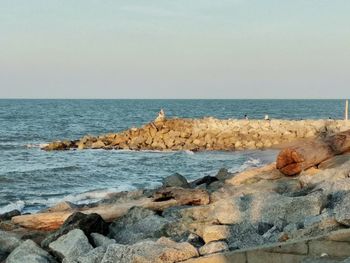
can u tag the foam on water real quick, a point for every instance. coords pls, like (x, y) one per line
(18, 205)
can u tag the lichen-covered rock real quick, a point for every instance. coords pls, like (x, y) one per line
(29, 252)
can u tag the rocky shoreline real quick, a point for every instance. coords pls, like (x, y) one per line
(203, 219)
(239, 217)
(206, 134)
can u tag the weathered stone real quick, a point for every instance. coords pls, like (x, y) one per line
(223, 174)
(71, 246)
(215, 233)
(93, 256)
(175, 180)
(213, 247)
(91, 223)
(138, 224)
(29, 252)
(101, 240)
(244, 235)
(342, 210)
(8, 241)
(163, 250)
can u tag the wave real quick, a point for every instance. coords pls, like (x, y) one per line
(34, 205)
(18, 205)
(250, 163)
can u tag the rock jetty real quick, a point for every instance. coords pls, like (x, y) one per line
(206, 134)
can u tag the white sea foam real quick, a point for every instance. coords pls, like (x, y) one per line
(189, 152)
(37, 145)
(250, 163)
(19, 205)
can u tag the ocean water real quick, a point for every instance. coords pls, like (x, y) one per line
(32, 179)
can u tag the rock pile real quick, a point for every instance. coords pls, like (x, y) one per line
(206, 134)
(228, 212)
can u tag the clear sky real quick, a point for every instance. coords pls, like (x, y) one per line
(174, 48)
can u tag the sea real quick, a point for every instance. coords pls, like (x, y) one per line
(32, 179)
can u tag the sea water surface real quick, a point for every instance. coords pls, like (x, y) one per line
(32, 179)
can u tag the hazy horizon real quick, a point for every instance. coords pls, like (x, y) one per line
(163, 49)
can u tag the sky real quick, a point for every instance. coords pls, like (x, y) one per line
(204, 49)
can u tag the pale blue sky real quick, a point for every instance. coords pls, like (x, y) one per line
(175, 49)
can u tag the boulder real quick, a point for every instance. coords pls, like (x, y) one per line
(93, 256)
(9, 215)
(213, 247)
(101, 240)
(29, 252)
(244, 235)
(163, 250)
(8, 241)
(276, 209)
(175, 180)
(138, 224)
(88, 223)
(215, 233)
(342, 210)
(223, 174)
(207, 180)
(71, 246)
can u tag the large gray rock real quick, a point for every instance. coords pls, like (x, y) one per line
(88, 223)
(101, 240)
(71, 246)
(8, 241)
(163, 250)
(223, 174)
(29, 252)
(278, 209)
(175, 180)
(93, 256)
(244, 235)
(139, 223)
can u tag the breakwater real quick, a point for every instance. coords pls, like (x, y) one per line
(206, 134)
